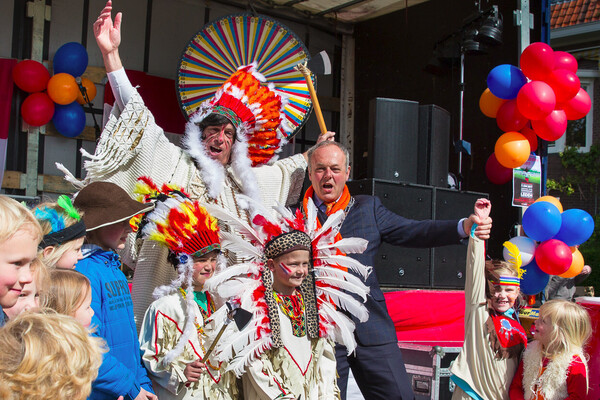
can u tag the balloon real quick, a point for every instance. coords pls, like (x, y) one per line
(526, 248)
(489, 104)
(534, 280)
(553, 257)
(552, 127)
(71, 58)
(537, 61)
(509, 118)
(90, 88)
(30, 76)
(531, 137)
(497, 173)
(504, 81)
(578, 106)
(37, 109)
(564, 83)
(62, 89)
(564, 60)
(553, 200)
(69, 120)
(541, 220)
(576, 266)
(536, 100)
(512, 149)
(577, 227)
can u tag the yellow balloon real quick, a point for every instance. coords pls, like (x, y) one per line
(553, 200)
(576, 266)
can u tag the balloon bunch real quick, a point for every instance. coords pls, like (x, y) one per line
(57, 98)
(534, 101)
(559, 233)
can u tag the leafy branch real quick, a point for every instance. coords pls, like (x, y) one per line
(582, 171)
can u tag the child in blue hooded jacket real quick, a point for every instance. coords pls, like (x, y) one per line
(107, 210)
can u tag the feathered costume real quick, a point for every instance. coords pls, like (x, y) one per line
(133, 145)
(287, 349)
(172, 333)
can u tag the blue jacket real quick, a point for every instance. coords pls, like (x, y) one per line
(122, 371)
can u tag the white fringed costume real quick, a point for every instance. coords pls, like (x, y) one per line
(272, 361)
(161, 330)
(132, 145)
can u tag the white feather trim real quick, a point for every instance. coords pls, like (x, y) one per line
(342, 327)
(349, 263)
(347, 245)
(345, 302)
(360, 290)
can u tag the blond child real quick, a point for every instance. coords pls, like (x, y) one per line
(554, 365)
(494, 338)
(30, 295)
(64, 233)
(69, 292)
(107, 210)
(20, 234)
(47, 356)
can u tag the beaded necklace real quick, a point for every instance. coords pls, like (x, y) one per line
(293, 307)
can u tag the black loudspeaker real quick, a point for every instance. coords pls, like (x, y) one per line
(397, 266)
(449, 261)
(393, 139)
(434, 142)
(403, 267)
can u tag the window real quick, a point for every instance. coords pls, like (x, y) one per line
(579, 133)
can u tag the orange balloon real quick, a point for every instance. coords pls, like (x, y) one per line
(512, 149)
(576, 266)
(90, 90)
(489, 104)
(62, 88)
(553, 200)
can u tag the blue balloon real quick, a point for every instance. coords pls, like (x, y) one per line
(505, 81)
(71, 58)
(577, 227)
(534, 280)
(69, 120)
(541, 221)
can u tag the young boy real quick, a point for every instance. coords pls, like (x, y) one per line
(494, 338)
(20, 234)
(172, 333)
(107, 210)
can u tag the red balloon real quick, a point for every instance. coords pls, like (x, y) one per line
(509, 118)
(531, 137)
(564, 60)
(37, 109)
(31, 76)
(496, 172)
(578, 106)
(552, 127)
(537, 61)
(553, 257)
(564, 83)
(536, 100)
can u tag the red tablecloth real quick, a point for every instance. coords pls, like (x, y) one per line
(433, 317)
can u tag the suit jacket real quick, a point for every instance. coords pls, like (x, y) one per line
(369, 219)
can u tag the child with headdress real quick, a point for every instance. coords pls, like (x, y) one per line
(172, 336)
(69, 292)
(494, 338)
(29, 298)
(292, 287)
(107, 209)
(20, 234)
(554, 366)
(64, 233)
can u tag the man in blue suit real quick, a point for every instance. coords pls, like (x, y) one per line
(377, 364)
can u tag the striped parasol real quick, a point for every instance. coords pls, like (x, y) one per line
(222, 46)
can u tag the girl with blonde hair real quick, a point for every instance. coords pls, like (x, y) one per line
(69, 293)
(64, 233)
(30, 294)
(47, 356)
(554, 366)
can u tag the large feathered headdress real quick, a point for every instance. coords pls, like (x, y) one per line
(326, 290)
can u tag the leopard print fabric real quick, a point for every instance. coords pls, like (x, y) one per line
(293, 240)
(267, 280)
(307, 288)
